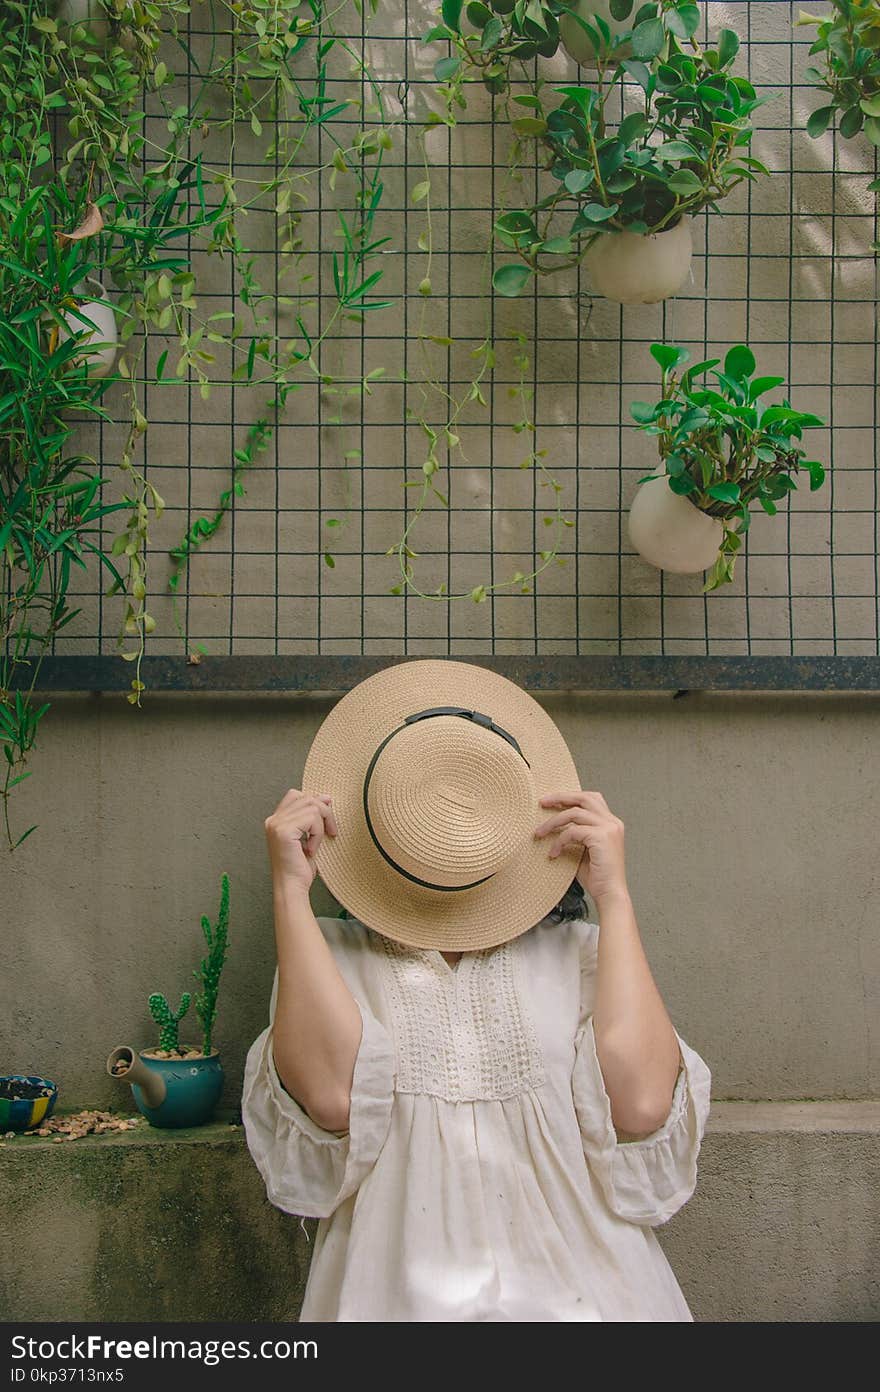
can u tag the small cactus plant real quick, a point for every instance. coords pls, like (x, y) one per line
(212, 965)
(166, 1019)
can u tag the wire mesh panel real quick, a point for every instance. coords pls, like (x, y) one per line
(308, 556)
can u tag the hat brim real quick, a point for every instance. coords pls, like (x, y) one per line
(520, 894)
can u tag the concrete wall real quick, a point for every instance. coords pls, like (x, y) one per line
(783, 1225)
(751, 846)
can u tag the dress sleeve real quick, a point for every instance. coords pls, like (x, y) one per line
(648, 1180)
(309, 1171)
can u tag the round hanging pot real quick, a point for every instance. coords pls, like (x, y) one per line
(670, 532)
(100, 312)
(578, 44)
(641, 267)
(91, 13)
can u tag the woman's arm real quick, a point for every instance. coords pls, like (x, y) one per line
(635, 1041)
(636, 1044)
(317, 1026)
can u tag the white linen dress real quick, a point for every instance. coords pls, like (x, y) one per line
(481, 1177)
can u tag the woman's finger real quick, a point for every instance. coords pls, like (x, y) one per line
(582, 797)
(567, 837)
(570, 814)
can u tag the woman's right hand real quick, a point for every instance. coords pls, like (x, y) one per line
(290, 855)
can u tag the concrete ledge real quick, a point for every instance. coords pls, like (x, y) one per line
(175, 1225)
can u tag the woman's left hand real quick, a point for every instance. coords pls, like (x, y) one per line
(586, 819)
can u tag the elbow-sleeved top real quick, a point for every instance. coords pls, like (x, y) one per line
(481, 1177)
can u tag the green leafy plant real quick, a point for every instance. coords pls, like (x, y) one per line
(211, 965)
(723, 447)
(503, 32)
(88, 189)
(165, 1018)
(848, 44)
(684, 150)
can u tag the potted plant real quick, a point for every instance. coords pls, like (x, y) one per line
(596, 31)
(500, 33)
(177, 1084)
(848, 42)
(721, 448)
(85, 310)
(623, 191)
(25, 1101)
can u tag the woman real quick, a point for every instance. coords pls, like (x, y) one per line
(481, 1096)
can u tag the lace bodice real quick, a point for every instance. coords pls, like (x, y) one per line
(462, 1033)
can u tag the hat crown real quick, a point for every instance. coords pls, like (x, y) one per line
(450, 801)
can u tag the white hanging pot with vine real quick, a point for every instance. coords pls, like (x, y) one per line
(577, 42)
(91, 13)
(634, 268)
(670, 532)
(98, 308)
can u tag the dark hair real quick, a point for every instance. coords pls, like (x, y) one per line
(573, 904)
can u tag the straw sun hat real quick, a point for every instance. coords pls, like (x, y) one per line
(435, 768)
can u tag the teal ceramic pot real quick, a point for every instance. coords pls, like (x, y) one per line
(192, 1090)
(33, 1105)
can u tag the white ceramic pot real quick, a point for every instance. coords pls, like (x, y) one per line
(641, 268)
(577, 43)
(100, 312)
(88, 12)
(670, 532)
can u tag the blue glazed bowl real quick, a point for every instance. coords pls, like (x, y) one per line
(21, 1113)
(192, 1090)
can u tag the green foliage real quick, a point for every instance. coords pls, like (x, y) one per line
(684, 150)
(848, 46)
(166, 1019)
(488, 38)
(723, 447)
(88, 190)
(212, 965)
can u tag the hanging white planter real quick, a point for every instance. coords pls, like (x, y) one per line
(670, 532)
(577, 42)
(641, 267)
(91, 13)
(100, 312)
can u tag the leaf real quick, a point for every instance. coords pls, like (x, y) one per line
(91, 224)
(632, 127)
(763, 384)
(420, 191)
(639, 72)
(667, 355)
(446, 67)
(576, 180)
(728, 47)
(529, 125)
(851, 122)
(739, 362)
(871, 105)
(642, 412)
(678, 149)
(620, 9)
(451, 11)
(684, 181)
(724, 492)
(597, 212)
(872, 129)
(819, 121)
(510, 280)
(648, 38)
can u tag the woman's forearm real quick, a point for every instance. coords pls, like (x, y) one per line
(317, 1026)
(635, 1041)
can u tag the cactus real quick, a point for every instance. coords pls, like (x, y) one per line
(212, 965)
(166, 1019)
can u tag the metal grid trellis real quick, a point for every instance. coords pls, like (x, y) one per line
(787, 268)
